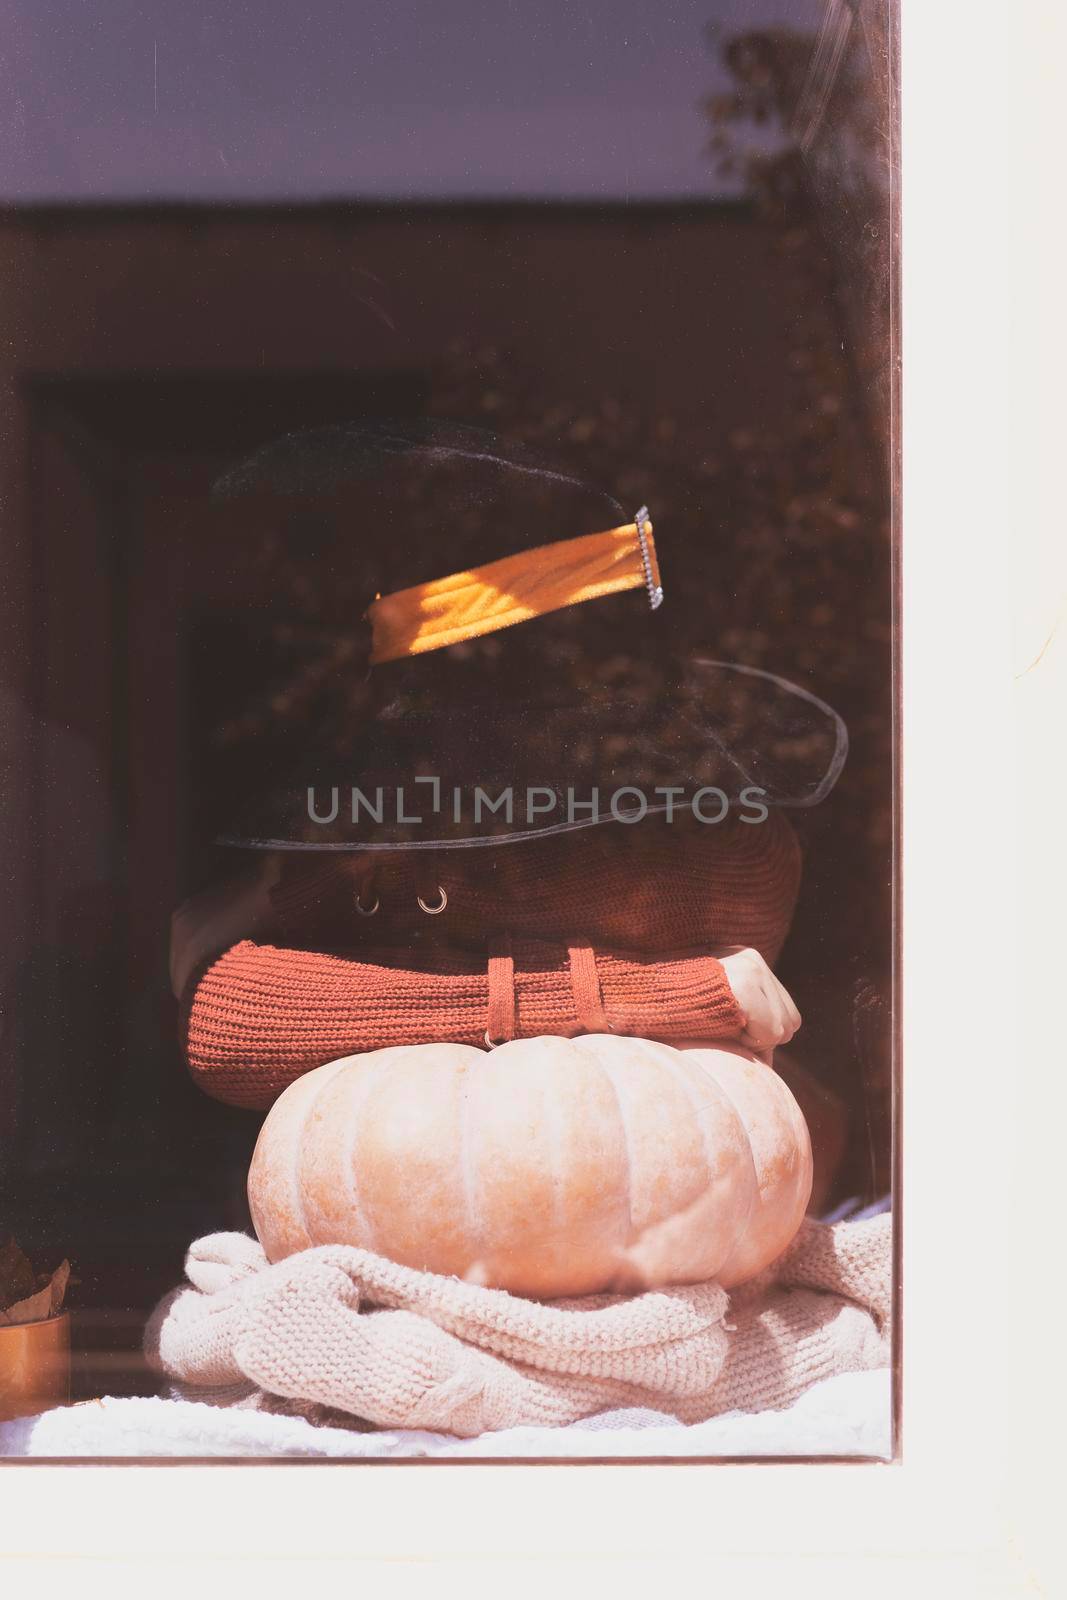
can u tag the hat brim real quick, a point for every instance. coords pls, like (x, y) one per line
(722, 734)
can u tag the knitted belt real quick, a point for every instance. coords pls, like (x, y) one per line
(502, 1022)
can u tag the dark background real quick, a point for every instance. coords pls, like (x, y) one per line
(659, 254)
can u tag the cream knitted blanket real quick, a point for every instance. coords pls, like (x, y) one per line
(348, 1331)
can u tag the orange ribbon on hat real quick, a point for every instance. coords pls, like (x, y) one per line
(446, 611)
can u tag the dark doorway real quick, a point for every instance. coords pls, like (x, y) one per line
(137, 616)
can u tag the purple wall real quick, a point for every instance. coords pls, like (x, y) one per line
(139, 99)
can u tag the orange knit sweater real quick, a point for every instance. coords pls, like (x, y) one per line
(605, 928)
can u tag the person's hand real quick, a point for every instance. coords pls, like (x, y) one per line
(771, 1018)
(209, 922)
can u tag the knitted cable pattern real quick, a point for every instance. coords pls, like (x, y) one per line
(347, 1330)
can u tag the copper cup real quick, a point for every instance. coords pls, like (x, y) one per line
(34, 1366)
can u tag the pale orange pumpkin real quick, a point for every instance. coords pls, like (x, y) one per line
(547, 1167)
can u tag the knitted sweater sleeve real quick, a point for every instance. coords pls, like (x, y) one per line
(260, 1016)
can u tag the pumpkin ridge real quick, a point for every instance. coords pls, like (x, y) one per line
(366, 1081)
(299, 1141)
(605, 1067)
(351, 1166)
(777, 1181)
(295, 1139)
(680, 1069)
(555, 1147)
(470, 1210)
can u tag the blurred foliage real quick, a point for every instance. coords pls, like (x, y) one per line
(809, 125)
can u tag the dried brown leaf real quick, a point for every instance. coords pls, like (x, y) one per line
(57, 1286)
(35, 1308)
(24, 1295)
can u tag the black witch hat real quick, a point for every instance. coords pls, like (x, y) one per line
(496, 655)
